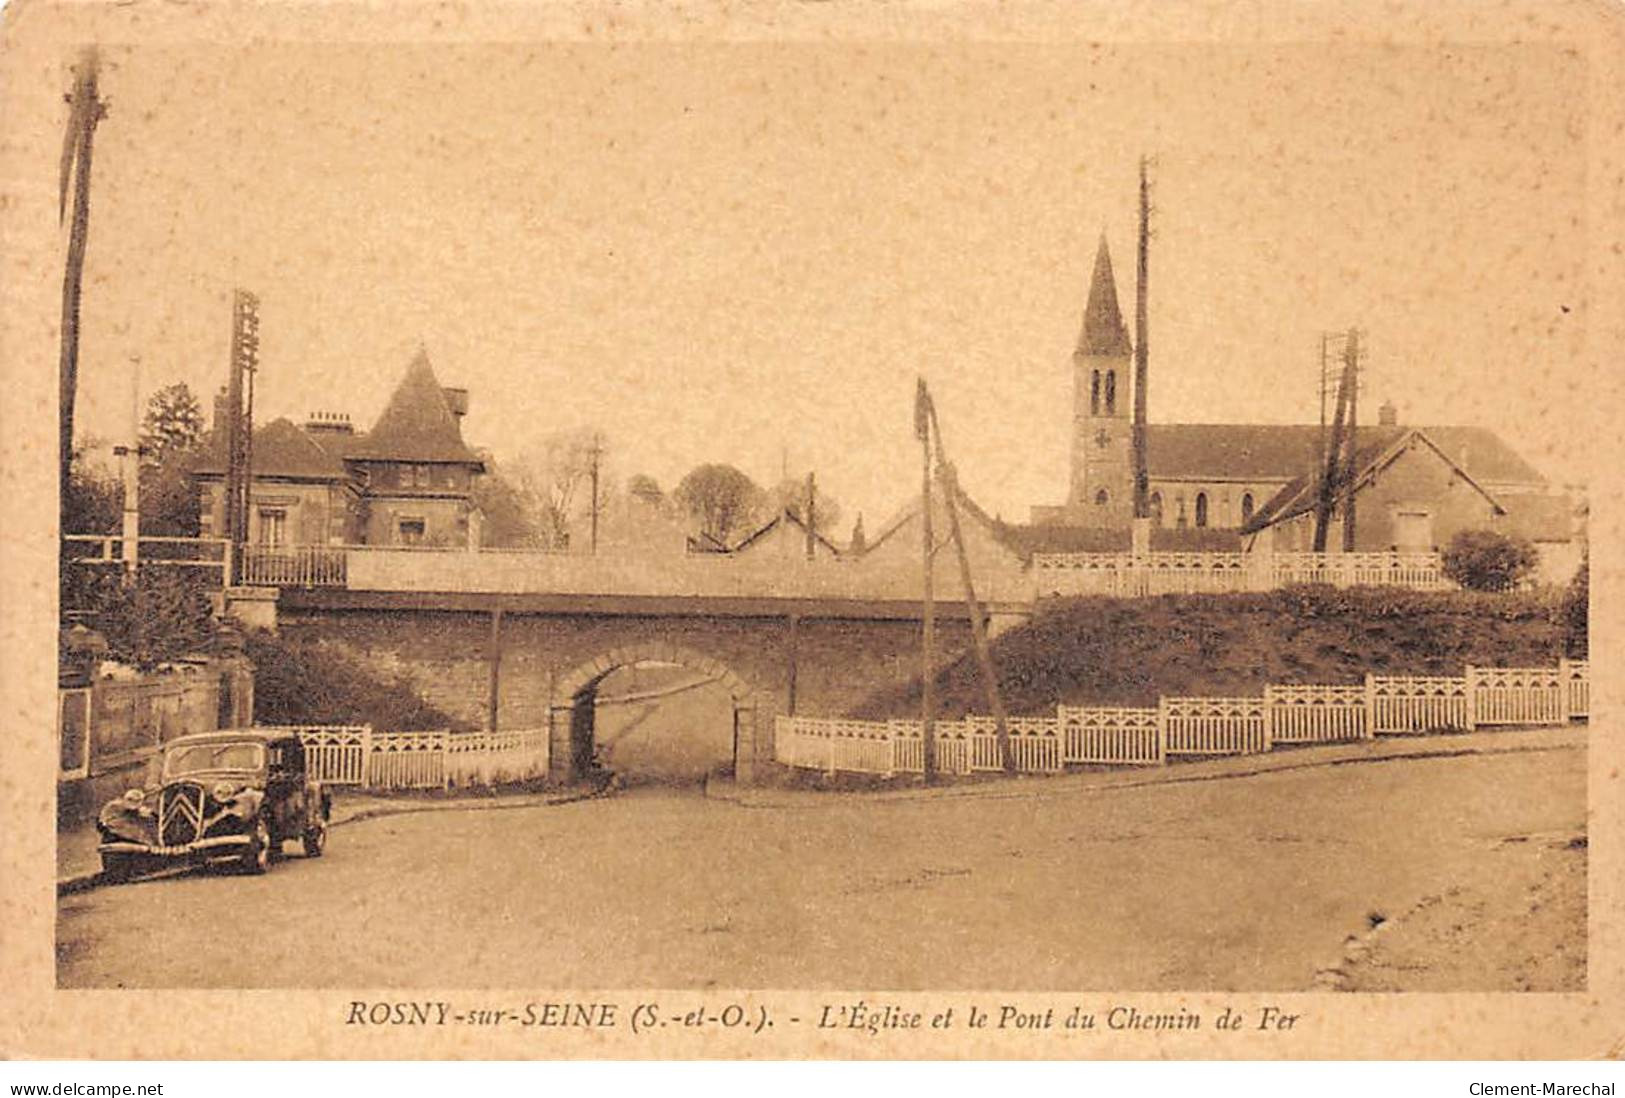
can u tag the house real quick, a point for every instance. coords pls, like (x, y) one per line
(1413, 495)
(408, 481)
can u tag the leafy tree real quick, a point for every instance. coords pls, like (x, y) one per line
(723, 500)
(173, 423)
(791, 495)
(645, 489)
(1483, 560)
(92, 498)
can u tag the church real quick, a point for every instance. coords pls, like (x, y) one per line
(1235, 481)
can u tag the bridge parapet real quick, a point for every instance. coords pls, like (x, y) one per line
(700, 575)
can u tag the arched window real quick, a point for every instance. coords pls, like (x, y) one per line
(1102, 498)
(1156, 508)
(1201, 509)
(1094, 393)
(1246, 506)
(1111, 392)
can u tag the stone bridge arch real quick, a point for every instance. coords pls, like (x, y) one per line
(572, 707)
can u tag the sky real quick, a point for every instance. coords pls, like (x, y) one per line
(747, 252)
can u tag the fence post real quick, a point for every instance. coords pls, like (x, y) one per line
(1370, 706)
(1267, 715)
(1162, 732)
(366, 756)
(1470, 675)
(1564, 688)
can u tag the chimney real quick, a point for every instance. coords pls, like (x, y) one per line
(1388, 415)
(329, 423)
(456, 400)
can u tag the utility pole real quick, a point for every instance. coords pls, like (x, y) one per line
(922, 430)
(85, 110)
(1351, 359)
(978, 631)
(1336, 472)
(130, 471)
(1142, 476)
(596, 454)
(812, 517)
(245, 349)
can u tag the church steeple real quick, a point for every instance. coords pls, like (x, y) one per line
(1103, 332)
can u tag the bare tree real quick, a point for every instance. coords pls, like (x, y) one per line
(555, 479)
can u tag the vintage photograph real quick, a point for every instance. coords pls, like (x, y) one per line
(1039, 514)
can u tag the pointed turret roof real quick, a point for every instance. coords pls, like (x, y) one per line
(1103, 332)
(417, 424)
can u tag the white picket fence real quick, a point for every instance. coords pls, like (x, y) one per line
(1125, 575)
(356, 755)
(1286, 714)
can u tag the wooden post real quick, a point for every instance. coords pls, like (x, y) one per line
(928, 747)
(1471, 708)
(790, 664)
(978, 628)
(1370, 707)
(366, 755)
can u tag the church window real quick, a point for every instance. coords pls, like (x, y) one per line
(1156, 508)
(1102, 498)
(1094, 393)
(1246, 506)
(1201, 509)
(1111, 392)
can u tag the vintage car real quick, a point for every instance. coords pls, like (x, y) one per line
(228, 795)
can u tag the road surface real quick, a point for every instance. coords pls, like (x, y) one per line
(1249, 883)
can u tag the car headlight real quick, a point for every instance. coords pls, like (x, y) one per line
(134, 796)
(223, 791)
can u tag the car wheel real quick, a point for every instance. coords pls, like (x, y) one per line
(117, 868)
(257, 858)
(315, 839)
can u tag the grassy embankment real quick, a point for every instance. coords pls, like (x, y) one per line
(1103, 651)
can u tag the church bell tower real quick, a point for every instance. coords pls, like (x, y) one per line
(1102, 493)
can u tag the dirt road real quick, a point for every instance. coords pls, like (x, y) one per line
(1242, 883)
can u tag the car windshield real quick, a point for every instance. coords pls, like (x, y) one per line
(201, 757)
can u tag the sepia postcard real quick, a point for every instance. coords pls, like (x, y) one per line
(785, 530)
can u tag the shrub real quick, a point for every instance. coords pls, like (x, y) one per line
(161, 614)
(1483, 560)
(298, 681)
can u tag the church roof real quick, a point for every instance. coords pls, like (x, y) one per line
(1260, 451)
(280, 449)
(417, 424)
(1103, 332)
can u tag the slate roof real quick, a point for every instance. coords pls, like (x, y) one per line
(793, 519)
(1258, 451)
(281, 449)
(1103, 332)
(416, 425)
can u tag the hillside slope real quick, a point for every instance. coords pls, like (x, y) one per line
(1105, 651)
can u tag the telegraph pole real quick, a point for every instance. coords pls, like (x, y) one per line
(85, 110)
(245, 350)
(812, 537)
(1351, 358)
(978, 629)
(922, 430)
(596, 454)
(130, 469)
(1142, 477)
